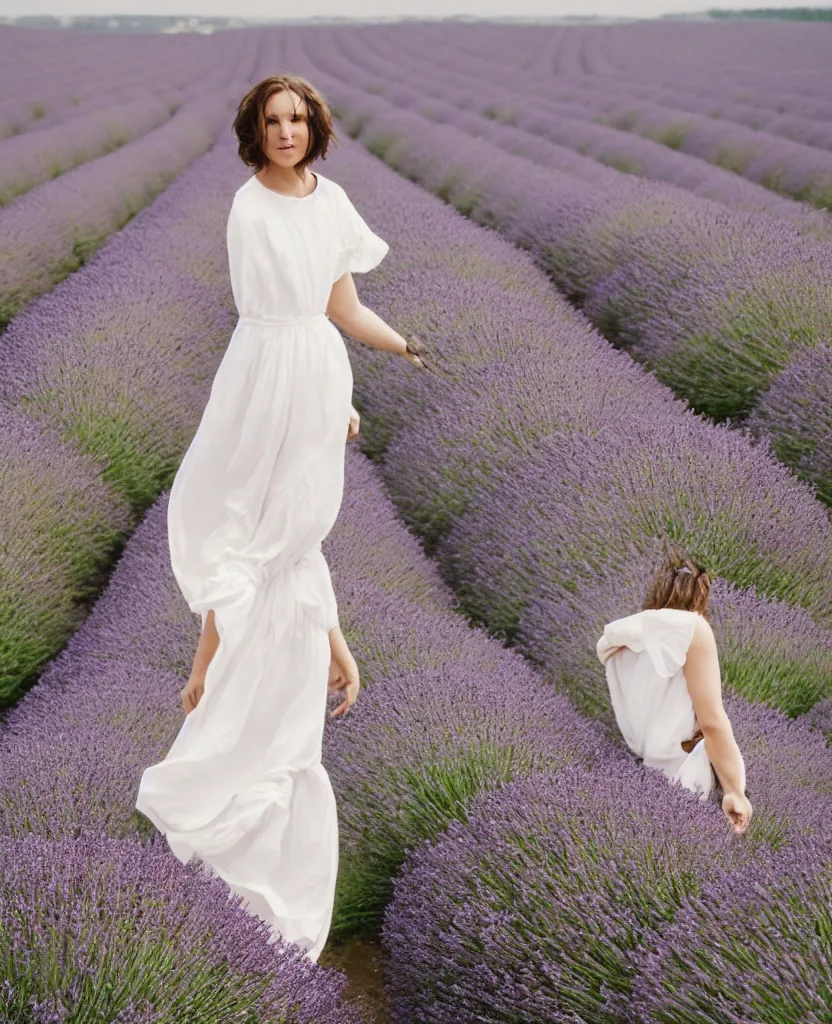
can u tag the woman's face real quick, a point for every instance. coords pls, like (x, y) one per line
(287, 128)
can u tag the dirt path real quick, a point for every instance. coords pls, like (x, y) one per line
(360, 959)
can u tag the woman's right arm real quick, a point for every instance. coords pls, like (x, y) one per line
(705, 687)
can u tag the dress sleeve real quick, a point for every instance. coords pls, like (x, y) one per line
(664, 634)
(667, 636)
(361, 248)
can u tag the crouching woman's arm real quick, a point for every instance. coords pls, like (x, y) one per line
(705, 687)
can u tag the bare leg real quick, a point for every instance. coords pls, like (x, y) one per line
(209, 640)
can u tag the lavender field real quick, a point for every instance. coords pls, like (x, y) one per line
(615, 242)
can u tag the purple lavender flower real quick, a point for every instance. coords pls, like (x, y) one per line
(132, 343)
(532, 907)
(52, 230)
(795, 414)
(753, 945)
(59, 523)
(109, 928)
(609, 98)
(35, 157)
(530, 125)
(715, 301)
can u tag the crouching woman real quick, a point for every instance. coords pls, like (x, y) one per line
(663, 674)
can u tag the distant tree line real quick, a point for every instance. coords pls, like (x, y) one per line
(794, 13)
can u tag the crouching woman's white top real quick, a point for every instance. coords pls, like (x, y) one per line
(644, 655)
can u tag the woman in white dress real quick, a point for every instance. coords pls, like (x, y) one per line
(243, 788)
(663, 674)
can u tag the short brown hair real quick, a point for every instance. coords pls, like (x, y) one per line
(250, 121)
(680, 582)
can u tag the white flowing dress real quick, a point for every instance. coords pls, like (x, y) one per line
(644, 655)
(259, 488)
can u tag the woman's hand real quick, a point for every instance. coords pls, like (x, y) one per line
(355, 419)
(343, 675)
(737, 808)
(193, 691)
(416, 354)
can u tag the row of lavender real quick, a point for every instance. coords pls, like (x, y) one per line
(55, 228)
(105, 121)
(446, 714)
(96, 380)
(571, 63)
(794, 412)
(44, 729)
(556, 901)
(798, 169)
(419, 792)
(97, 922)
(44, 82)
(32, 158)
(785, 94)
(766, 65)
(519, 123)
(756, 71)
(716, 302)
(528, 922)
(710, 82)
(595, 458)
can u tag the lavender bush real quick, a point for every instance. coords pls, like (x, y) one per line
(786, 166)
(140, 349)
(60, 525)
(35, 157)
(593, 459)
(754, 945)
(105, 929)
(533, 906)
(657, 270)
(794, 413)
(820, 717)
(54, 229)
(521, 124)
(789, 773)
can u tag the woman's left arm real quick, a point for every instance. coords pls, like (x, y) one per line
(344, 309)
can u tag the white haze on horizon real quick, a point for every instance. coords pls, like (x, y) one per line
(375, 8)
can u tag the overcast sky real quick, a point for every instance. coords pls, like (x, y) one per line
(369, 8)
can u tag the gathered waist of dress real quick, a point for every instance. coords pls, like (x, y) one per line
(278, 321)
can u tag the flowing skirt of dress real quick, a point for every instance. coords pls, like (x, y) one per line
(243, 787)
